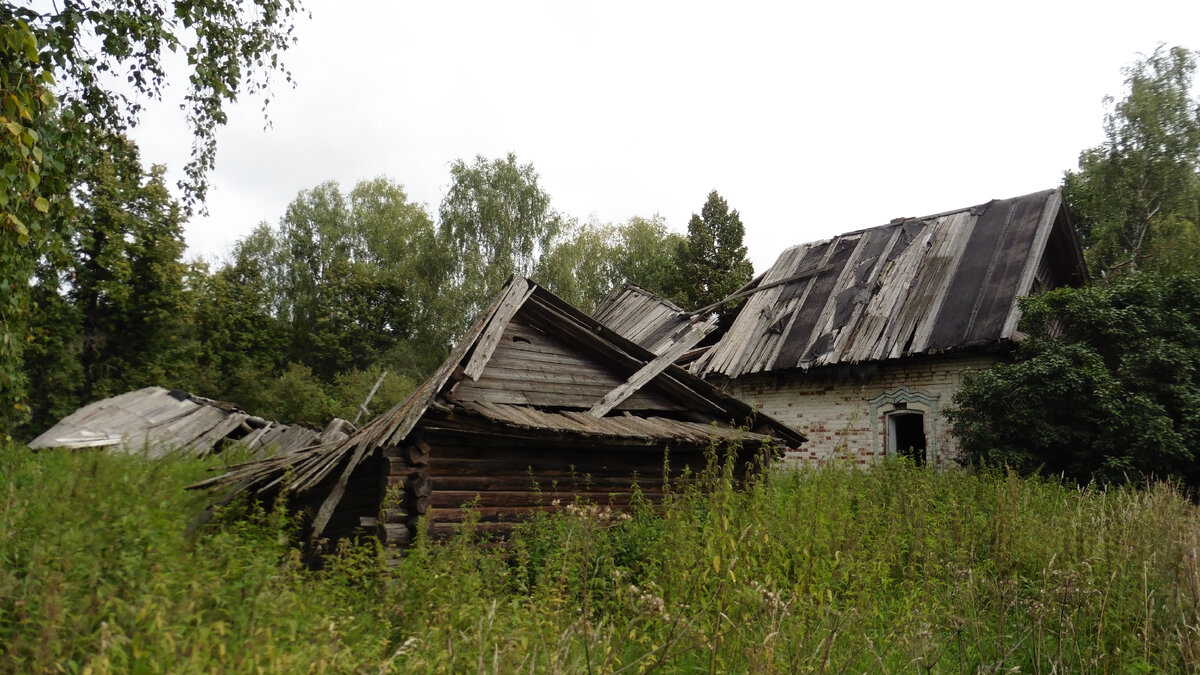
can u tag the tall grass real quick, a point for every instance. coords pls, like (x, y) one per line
(822, 570)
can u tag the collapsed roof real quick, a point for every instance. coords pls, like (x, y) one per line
(533, 363)
(160, 421)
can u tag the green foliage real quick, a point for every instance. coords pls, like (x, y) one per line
(646, 255)
(588, 261)
(1107, 386)
(1136, 197)
(494, 221)
(828, 569)
(339, 293)
(712, 262)
(350, 273)
(90, 53)
(101, 578)
(232, 47)
(29, 181)
(111, 310)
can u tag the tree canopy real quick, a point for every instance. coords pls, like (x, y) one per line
(1107, 386)
(712, 262)
(72, 78)
(495, 220)
(1136, 197)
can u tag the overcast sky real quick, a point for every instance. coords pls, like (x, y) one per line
(810, 119)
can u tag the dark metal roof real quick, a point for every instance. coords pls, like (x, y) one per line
(914, 286)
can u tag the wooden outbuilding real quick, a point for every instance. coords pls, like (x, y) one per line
(539, 405)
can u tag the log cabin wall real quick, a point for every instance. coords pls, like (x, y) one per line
(511, 475)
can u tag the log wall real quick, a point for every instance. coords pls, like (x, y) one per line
(443, 476)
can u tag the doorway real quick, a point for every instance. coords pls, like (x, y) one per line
(906, 436)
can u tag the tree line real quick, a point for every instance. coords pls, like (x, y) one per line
(96, 298)
(305, 315)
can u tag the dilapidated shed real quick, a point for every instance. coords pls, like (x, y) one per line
(861, 341)
(159, 421)
(537, 405)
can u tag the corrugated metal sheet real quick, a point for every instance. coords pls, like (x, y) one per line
(643, 317)
(914, 286)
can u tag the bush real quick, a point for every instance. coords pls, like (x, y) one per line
(1107, 386)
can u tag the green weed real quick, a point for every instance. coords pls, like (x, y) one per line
(822, 570)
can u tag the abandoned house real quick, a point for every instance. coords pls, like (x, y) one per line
(537, 405)
(860, 341)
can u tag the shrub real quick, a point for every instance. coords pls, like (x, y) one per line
(1106, 387)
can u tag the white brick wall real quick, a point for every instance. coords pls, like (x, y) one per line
(843, 409)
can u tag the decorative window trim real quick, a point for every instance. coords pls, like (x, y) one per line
(914, 401)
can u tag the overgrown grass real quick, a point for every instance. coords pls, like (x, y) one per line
(830, 570)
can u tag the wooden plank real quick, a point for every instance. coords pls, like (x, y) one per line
(820, 339)
(873, 259)
(751, 332)
(956, 317)
(789, 301)
(557, 481)
(1005, 273)
(518, 291)
(941, 267)
(794, 342)
(497, 498)
(695, 333)
(600, 344)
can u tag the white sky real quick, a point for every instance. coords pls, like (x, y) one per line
(811, 119)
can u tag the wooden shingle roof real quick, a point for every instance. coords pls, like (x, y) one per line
(160, 421)
(644, 317)
(944, 282)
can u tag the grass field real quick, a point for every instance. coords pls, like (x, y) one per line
(830, 570)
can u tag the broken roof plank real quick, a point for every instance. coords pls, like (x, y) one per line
(161, 421)
(669, 355)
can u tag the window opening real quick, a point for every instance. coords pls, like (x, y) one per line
(906, 436)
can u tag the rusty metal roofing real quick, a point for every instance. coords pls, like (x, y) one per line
(914, 286)
(648, 319)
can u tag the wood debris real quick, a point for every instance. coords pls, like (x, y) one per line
(158, 422)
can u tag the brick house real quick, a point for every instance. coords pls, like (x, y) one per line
(860, 341)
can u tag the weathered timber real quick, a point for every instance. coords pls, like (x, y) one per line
(582, 484)
(648, 372)
(459, 498)
(945, 282)
(394, 534)
(441, 448)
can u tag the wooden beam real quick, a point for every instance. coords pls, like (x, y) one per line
(518, 292)
(694, 334)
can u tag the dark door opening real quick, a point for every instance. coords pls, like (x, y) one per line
(907, 437)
